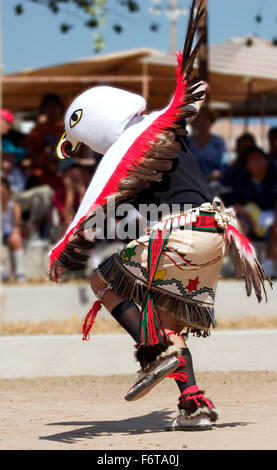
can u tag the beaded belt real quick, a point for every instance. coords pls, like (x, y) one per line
(205, 222)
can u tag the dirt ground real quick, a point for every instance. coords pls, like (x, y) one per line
(90, 413)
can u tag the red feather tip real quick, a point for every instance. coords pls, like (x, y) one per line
(240, 240)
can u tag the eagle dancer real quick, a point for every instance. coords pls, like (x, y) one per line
(162, 286)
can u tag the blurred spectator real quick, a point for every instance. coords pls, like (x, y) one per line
(272, 138)
(232, 172)
(243, 142)
(13, 174)
(13, 142)
(31, 180)
(42, 141)
(36, 207)
(208, 149)
(34, 201)
(69, 195)
(11, 231)
(255, 199)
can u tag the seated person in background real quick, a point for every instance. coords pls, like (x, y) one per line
(13, 142)
(31, 180)
(233, 171)
(11, 231)
(13, 174)
(68, 196)
(42, 141)
(255, 200)
(272, 140)
(208, 149)
(34, 200)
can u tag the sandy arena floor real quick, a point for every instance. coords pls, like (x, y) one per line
(90, 413)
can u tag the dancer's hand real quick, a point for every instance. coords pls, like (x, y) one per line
(55, 272)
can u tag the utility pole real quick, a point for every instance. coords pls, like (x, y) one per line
(172, 10)
(203, 56)
(173, 26)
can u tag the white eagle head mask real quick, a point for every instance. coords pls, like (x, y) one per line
(97, 118)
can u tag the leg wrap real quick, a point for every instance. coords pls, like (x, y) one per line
(184, 375)
(128, 316)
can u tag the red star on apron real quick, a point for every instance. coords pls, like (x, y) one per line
(192, 285)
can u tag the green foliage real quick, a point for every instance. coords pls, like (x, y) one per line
(117, 28)
(154, 27)
(94, 14)
(92, 23)
(258, 19)
(132, 5)
(18, 9)
(249, 42)
(64, 27)
(98, 42)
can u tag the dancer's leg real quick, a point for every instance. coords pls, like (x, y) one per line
(128, 315)
(170, 324)
(196, 411)
(110, 299)
(125, 312)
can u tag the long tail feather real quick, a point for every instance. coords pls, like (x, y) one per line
(193, 24)
(247, 266)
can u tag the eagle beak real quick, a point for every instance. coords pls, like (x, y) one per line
(65, 147)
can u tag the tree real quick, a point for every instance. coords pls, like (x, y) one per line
(259, 20)
(92, 13)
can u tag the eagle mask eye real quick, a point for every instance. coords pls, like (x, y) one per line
(75, 117)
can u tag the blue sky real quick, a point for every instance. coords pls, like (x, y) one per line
(33, 39)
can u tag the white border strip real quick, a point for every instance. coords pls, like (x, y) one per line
(52, 356)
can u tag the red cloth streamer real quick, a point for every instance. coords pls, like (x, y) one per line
(90, 318)
(193, 389)
(174, 332)
(152, 329)
(156, 248)
(180, 375)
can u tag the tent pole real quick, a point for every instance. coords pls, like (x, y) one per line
(145, 82)
(248, 104)
(230, 135)
(263, 116)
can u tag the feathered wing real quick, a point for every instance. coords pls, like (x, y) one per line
(247, 266)
(151, 153)
(154, 151)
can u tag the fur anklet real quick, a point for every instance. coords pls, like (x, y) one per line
(192, 403)
(148, 356)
